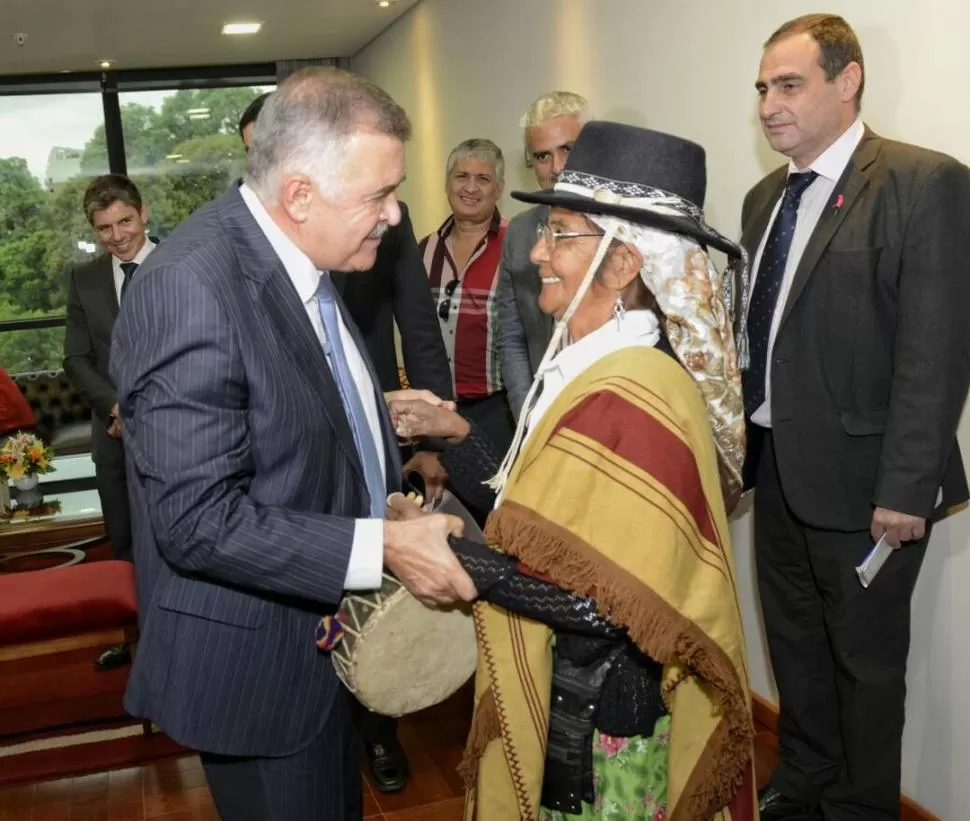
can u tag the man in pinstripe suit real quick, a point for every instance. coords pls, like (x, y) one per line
(260, 453)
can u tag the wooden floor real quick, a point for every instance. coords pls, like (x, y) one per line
(175, 789)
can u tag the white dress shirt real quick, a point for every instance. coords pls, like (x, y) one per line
(635, 328)
(119, 275)
(367, 553)
(829, 167)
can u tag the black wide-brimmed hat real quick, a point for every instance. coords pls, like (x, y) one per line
(643, 176)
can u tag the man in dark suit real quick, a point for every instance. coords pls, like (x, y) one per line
(260, 454)
(396, 291)
(247, 122)
(859, 370)
(550, 127)
(117, 214)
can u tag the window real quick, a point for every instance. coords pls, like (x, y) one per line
(42, 232)
(183, 148)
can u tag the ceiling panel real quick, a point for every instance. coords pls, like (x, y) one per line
(73, 35)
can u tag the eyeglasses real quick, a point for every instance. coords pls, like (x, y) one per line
(544, 232)
(444, 308)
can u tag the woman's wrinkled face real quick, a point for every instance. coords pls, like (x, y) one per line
(565, 246)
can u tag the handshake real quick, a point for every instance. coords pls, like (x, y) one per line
(416, 548)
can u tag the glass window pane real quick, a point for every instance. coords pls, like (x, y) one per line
(49, 149)
(33, 349)
(183, 148)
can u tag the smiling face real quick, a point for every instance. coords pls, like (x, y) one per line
(563, 253)
(343, 232)
(802, 112)
(120, 229)
(473, 189)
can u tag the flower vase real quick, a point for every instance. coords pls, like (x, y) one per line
(28, 494)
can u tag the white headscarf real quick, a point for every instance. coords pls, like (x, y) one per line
(690, 293)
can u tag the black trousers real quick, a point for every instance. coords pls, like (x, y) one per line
(374, 728)
(322, 782)
(839, 655)
(112, 483)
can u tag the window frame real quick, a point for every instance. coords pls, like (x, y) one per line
(110, 84)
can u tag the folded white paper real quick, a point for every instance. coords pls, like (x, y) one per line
(873, 562)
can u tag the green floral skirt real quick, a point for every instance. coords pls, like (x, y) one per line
(630, 778)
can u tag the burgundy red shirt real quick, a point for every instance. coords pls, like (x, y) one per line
(467, 308)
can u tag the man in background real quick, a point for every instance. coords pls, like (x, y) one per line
(461, 259)
(859, 340)
(96, 289)
(247, 122)
(550, 127)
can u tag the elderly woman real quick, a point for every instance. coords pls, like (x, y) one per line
(611, 681)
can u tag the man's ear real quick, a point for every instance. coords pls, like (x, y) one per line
(296, 197)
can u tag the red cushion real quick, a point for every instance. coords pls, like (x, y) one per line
(66, 601)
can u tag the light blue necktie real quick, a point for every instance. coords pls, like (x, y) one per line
(333, 347)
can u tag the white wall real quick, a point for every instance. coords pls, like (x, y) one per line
(465, 68)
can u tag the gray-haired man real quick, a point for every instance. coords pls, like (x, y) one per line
(260, 455)
(551, 125)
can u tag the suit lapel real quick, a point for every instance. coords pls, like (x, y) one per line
(853, 182)
(280, 300)
(392, 455)
(755, 227)
(104, 284)
(294, 327)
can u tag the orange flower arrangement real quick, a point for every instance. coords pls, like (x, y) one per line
(23, 455)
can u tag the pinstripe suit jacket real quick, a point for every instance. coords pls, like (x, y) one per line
(244, 481)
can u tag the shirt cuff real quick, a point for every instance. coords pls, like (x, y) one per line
(366, 565)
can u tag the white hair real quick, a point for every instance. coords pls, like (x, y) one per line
(309, 122)
(479, 149)
(552, 105)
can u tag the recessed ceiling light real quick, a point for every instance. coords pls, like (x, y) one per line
(241, 28)
(385, 4)
(105, 63)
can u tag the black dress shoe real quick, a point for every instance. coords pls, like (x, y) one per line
(113, 658)
(388, 764)
(773, 806)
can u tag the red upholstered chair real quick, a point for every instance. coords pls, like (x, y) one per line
(52, 611)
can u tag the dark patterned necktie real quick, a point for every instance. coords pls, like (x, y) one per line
(767, 285)
(128, 269)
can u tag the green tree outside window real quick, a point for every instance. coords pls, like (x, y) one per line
(181, 155)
